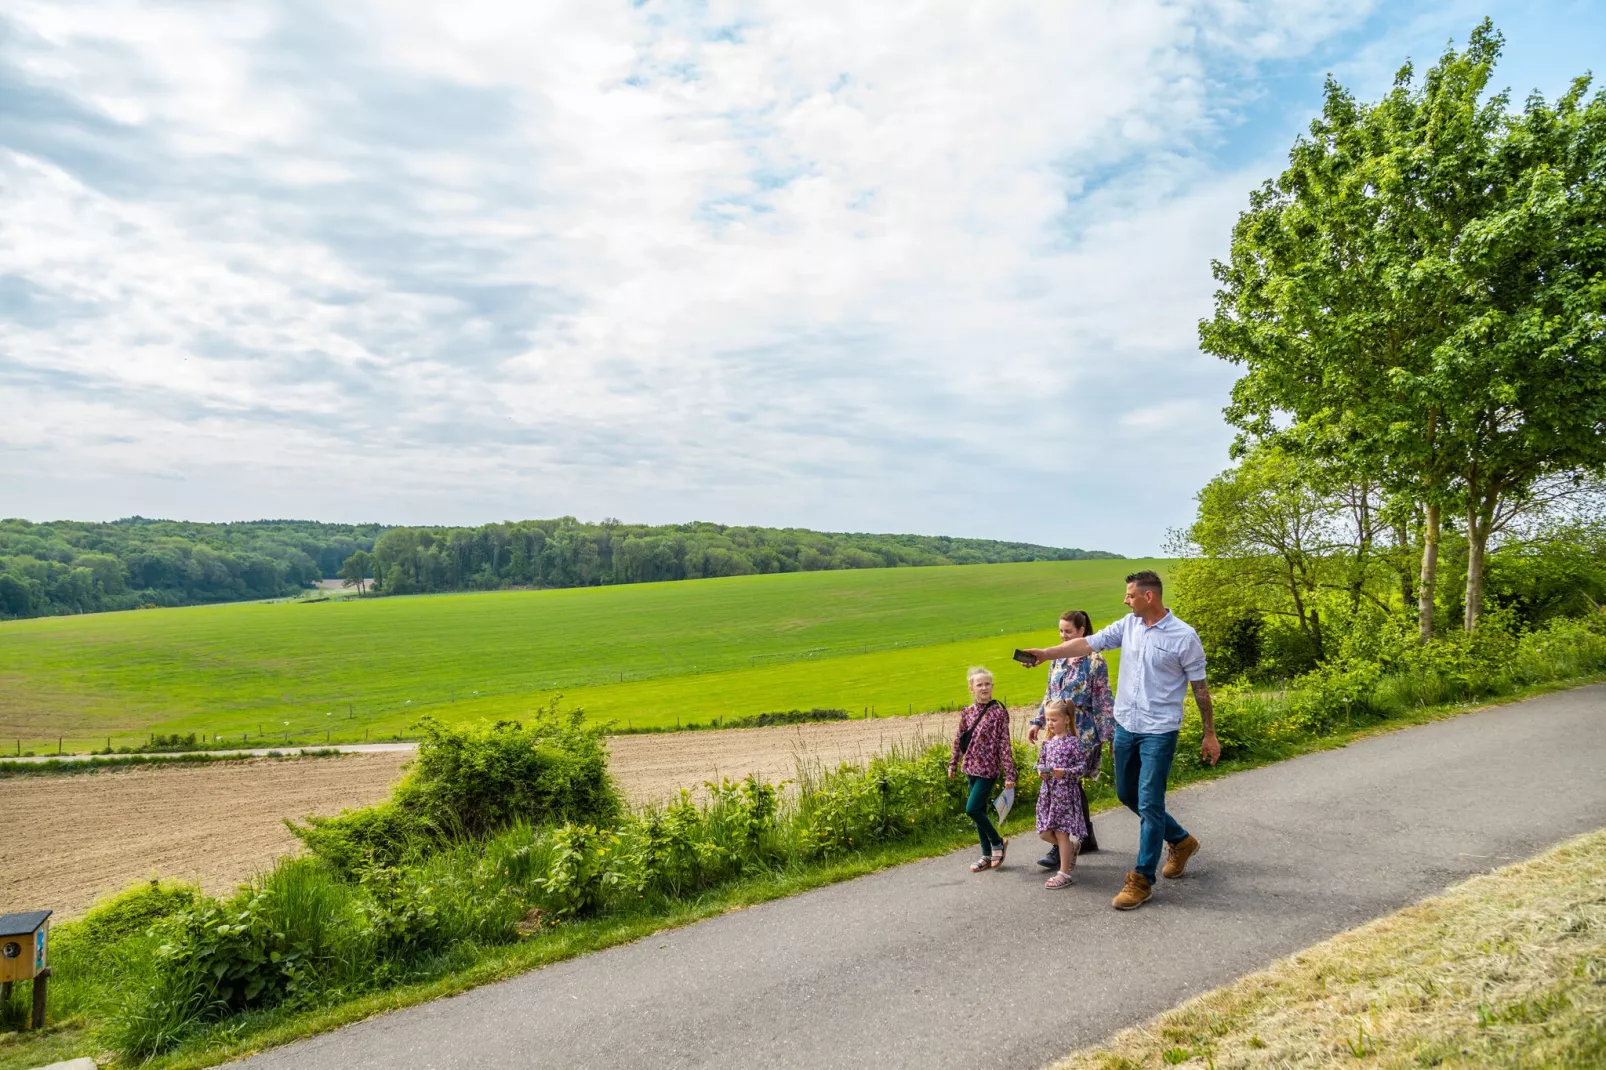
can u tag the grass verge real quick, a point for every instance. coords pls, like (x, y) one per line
(70, 766)
(471, 965)
(1505, 970)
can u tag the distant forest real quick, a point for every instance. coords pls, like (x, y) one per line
(73, 567)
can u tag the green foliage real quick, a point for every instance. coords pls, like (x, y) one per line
(80, 567)
(1416, 297)
(567, 553)
(382, 834)
(779, 717)
(477, 780)
(470, 782)
(134, 911)
(583, 867)
(1560, 571)
(683, 847)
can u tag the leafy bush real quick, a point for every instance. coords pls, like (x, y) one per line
(476, 780)
(886, 799)
(581, 869)
(134, 910)
(385, 834)
(471, 782)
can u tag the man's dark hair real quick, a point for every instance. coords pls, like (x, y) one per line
(1147, 580)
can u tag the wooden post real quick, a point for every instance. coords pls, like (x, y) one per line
(5, 992)
(40, 985)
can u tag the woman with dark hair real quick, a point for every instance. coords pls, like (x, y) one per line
(1083, 683)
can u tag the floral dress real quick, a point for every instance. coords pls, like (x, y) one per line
(1085, 684)
(1060, 803)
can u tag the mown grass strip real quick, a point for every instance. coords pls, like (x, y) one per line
(74, 766)
(1507, 969)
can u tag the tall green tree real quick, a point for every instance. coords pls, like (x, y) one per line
(356, 569)
(1417, 297)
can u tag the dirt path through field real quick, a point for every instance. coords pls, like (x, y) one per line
(90, 834)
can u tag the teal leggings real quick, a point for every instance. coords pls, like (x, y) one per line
(979, 809)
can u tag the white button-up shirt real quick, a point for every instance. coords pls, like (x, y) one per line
(1156, 664)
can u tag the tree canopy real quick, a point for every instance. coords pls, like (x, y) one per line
(1420, 299)
(76, 567)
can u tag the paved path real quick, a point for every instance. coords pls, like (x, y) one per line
(928, 966)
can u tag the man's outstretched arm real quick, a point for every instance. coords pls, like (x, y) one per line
(1071, 648)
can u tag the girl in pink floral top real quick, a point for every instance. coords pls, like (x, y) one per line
(1064, 759)
(982, 740)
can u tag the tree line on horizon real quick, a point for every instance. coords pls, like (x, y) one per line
(63, 567)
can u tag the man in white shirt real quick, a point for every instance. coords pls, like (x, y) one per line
(1160, 658)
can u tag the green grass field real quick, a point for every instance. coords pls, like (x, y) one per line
(642, 655)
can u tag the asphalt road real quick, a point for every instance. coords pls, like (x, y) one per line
(928, 965)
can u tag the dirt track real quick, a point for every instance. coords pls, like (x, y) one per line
(94, 833)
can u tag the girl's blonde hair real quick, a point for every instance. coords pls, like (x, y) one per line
(977, 670)
(1061, 707)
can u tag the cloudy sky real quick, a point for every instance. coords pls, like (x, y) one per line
(864, 266)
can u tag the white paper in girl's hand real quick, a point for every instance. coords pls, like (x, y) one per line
(1003, 803)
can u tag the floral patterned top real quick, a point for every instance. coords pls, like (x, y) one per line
(1061, 806)
(1070, 753)
(990, 752)
(1085, 684)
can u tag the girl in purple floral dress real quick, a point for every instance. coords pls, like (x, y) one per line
(1062, 761)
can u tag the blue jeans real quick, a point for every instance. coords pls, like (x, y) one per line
(1142, 764)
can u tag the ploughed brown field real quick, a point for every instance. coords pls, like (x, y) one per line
(84, 836)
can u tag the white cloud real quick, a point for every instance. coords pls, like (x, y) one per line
(846, 265)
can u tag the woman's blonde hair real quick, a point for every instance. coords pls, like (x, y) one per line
(977, 670)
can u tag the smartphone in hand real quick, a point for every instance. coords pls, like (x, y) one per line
(1024, 658)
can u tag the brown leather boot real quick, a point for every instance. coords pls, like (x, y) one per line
(1135, 894)
(1177, 855)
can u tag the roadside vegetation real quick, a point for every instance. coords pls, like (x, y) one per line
(1505, 970)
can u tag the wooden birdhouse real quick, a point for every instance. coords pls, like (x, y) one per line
(24, 951)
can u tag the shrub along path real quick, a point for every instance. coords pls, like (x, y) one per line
(218, 823)
(926, 965)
